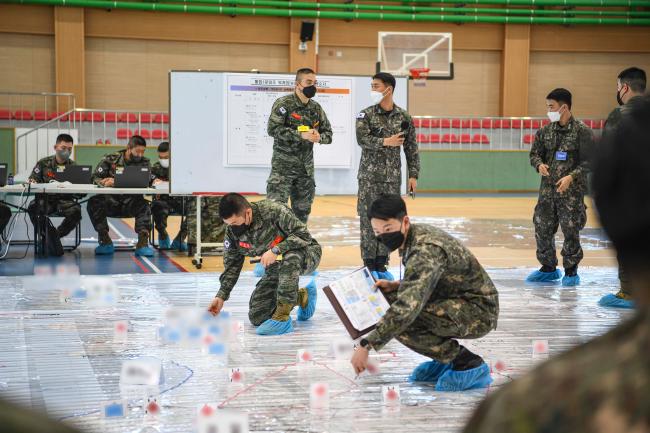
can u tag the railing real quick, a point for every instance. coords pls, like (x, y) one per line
(17, 107)
(483, 133)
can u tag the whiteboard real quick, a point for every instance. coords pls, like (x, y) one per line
(206, 115)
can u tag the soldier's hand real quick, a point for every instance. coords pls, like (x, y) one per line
(387, 286)
(394, 140)
(268, 258)
(413, 184)
(108, 182)
(564, 183)
(156, 181)
(359, 360)
(216, 306)
(316, 136)
(543, 169)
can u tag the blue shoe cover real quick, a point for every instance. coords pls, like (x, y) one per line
(178, 245)
(539, 276)
(164, 244)
(453, 380)
(275, 327)
(144, 251)
(104, 249)
(259, 270)
(614, 301)
(571, 281)
(312, 293)
(383, 275)
(428, 371)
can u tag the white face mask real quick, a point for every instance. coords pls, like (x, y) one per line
(376, 97)
(554, 116)
(164, 162)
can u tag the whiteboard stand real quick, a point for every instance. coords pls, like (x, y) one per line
(197, 261)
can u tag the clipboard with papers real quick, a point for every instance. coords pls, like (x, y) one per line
(356, 302)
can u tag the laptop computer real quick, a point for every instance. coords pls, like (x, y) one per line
(78, 174)
(133, 177)
(3, 173)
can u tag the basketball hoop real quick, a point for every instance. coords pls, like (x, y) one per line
(419, 76)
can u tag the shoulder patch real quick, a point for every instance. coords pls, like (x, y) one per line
(226, 243)
(282, 110)
(37, 170)
(361, 115)
(99, 170)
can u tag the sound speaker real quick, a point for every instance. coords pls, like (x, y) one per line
(306, 31)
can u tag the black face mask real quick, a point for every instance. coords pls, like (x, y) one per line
(618, 98)
(392, 240)
(240, 229)
(309, 91)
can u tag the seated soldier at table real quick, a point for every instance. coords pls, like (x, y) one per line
(163, 204)
(5, 217)
(61, 204)
(102, 206)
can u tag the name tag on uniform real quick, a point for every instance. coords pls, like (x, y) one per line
(60, 168)
(560, 156)
(119, 170)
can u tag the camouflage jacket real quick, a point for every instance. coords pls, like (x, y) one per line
(159, 172)
(274, 224)
(600, 386)
(381, 163)
(614, 118)
(46, 168)
(113, 162)
(576, 140)
(436, 267)
(290, 152)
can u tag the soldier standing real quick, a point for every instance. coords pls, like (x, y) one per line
(382, 129)
(445, 294)
(560, 154)
(296, 123)
(268, 229)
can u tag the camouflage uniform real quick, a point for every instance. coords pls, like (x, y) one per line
(213, 228)
(613, 120)
(61, 204)
(273, 224)
(292, 165)
(5, 217)
(380, 170)
(101, 206)
(163, 204)
(567, 210)
(445, 294)
(600, 386)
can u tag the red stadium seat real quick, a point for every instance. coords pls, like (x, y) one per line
(123, 133)
(107, 141)
(159, 134)
(77, 115)
(145, 118)
(487, 123)
(434, 138)
(23, 115)
(41, 115)
(5, 114)
(531, 124)
(422, 138)
(480, 139)
(465, 138)
(144, 133)
(161, 118)
(417, 122)
(99, 141)
(54, 115)
(597, 124)
(460, 123)
(545, 122)
(502, 123)
(450, 138)
(90, 116)
(516, 124)
(110, 117)
(475, 124)
(127, 118)
(529, 138)
(445, 123)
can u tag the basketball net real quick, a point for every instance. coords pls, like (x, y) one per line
(419, 76)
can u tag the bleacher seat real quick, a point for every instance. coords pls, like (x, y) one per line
(55, 114)
(145, 118)
(77, 116)
(529, 138)
(110, 117)
(144, 133)
(460, 123)
(480, 139)
(161, 118)
(23, 115)
(597, 124)
(465, 138)
(531, 124)
(516, 124)
(99, 141)
(475, 124)
(417, 122)
(450, 138)
(5, 114)
(422, 138)
(124, 133)
(434, 138)
(502, 124)
(159, 134)
(445, 123)
(127, 118)
(487, 123)
(107, 141)
(425, 123)
(91, 116)
(545, 122)
(41, 115)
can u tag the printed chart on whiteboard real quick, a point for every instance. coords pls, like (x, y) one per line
(248, 103)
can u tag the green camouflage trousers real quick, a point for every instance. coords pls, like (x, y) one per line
(300, 189)
(369, 192)
(280, 282)
(213, 228)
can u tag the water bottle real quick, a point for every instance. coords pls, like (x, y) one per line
(10, 179)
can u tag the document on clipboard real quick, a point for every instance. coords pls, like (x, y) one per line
(356, 302)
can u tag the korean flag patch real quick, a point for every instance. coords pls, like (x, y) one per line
(282, 110)
(361, 115)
